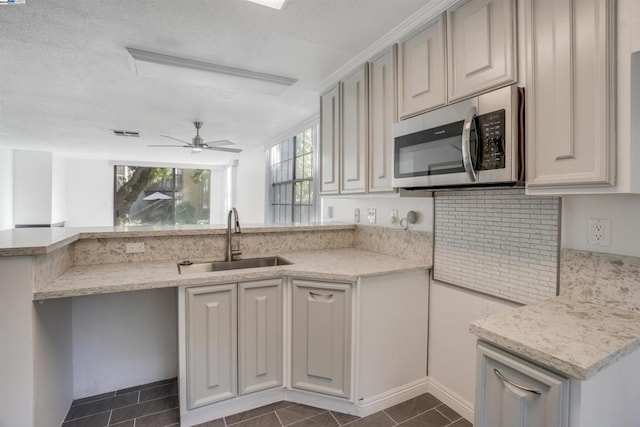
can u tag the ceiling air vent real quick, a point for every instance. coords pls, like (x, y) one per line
(126, 133)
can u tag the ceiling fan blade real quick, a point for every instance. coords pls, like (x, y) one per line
(164, 145)
(176, 139)
(219, 142)
(229, 150)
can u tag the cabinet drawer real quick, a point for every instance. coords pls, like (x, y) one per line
(511, 392)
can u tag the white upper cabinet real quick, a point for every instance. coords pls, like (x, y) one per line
(382, 115)
(421, 70)
(481, 36)
(354, 137)
(570, 93)
(330, 141)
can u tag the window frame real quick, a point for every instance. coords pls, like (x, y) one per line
(213, 171)
(271, 202)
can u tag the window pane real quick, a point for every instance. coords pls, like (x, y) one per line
(299, 168)
(161, 196)
(304, 214)
(289, 194)
(299, 143)
(305, 197)
(296, 214)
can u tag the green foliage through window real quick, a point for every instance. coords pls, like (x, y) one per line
(161, 196)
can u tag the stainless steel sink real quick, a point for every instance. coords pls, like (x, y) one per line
(185, 267)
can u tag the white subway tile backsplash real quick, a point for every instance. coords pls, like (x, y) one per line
(500, 242)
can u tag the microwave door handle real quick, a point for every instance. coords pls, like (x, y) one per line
(466, 145)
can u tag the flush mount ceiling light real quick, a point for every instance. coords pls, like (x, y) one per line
(185, 70)
(275, 4)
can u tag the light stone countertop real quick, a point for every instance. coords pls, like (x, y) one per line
(576, 338)
(38, 241)
(330, 264)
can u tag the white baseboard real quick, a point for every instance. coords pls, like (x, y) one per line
(361, 408)
(231, 406)
(364, 407)
(451, 399)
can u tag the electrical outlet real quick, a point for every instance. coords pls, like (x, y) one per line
(356, 215)
(600, 231)
(371, 216)
(134, 248)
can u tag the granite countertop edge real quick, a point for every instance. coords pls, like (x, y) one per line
(314, 264)
(562, 364)
(46, 240)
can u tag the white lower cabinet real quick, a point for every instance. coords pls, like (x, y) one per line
(511, 392)
(211, 344)
(321, 337)
(260, 335)
(354, 347)
(232, 347)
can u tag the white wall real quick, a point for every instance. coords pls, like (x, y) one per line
(89, 198)
(32, 173)
(53, 362)
(6, 188)
(58, 190)
(343, 209)
(16, 343)
(124, 339)
(452, 349)
(622, 209)
(250, 186)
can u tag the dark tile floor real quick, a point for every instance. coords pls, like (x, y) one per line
(156, 405)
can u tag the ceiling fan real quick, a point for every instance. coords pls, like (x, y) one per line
(197, 144)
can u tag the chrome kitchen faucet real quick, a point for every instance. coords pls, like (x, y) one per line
(231, 253)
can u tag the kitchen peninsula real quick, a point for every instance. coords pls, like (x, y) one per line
(54, 266)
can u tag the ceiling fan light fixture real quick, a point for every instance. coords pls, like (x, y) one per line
(274, 4)
(196, 150)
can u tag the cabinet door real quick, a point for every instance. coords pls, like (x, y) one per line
(354, 139)
(382, 115)
(260, 335)
(330, 141)
(211, 344)
(421, 70)
(511, 392)
(321, 337)
(481, 46)
(570, 91)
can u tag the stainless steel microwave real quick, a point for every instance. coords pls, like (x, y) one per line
(475, 142)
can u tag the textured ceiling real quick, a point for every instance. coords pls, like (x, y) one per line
(66, 79)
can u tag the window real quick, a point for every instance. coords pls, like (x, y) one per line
(164, 196)
(290, 175)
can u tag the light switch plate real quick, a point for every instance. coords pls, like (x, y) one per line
(371, 216)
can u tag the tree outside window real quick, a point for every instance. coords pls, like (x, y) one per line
(161, 196)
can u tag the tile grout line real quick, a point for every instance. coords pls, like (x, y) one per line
(422, 413)
(278, 418)
(334, 417)
(390, 417)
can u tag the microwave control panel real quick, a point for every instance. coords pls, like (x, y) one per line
(491, 140)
